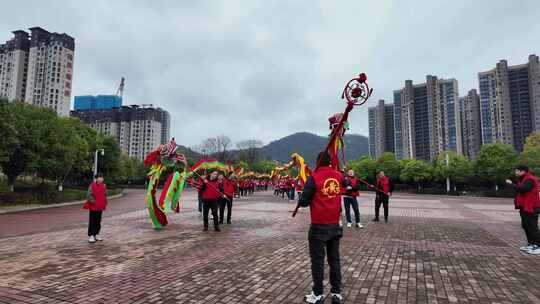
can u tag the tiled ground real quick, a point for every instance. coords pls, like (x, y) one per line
(434, 250)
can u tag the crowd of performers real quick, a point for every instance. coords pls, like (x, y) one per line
(289, 187)
(324, 191)
(217, 191)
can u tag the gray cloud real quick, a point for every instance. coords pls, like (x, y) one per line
(265, 69)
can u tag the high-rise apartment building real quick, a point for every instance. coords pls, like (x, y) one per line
(428, 118)
(165, 127)
(381, 129)
(398, 141)
(471, 127)
(14, 66)
(38, 68)
(138, 130)
(510, 102)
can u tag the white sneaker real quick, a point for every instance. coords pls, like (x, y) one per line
(313, 299)
(535, 250)
(359, 225)
(98, 238)
(526, 248)
(91, 239)
(349, 225)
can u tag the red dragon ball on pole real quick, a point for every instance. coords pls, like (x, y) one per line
(355, 93)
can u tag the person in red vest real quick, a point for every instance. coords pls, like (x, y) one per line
(227, 199)
(350, 183)
(384, 190)
(210, 194)
(291, 183)
(322, 193)
(96, 203)
(527, 201)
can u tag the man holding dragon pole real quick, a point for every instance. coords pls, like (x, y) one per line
(322, 193)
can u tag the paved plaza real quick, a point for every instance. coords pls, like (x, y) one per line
(434, 250)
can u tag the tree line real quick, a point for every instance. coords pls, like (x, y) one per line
(36, 142)
(493, 164)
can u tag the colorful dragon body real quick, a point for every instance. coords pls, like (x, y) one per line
(164, 158)
(167, 158)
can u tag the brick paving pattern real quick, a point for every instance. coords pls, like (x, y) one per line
(434, 250)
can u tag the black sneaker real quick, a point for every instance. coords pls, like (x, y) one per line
(375, 220)
(217, 229)
(337, 298)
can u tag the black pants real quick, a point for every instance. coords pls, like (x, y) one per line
(94, 222)
(207, 206)
(529, 222)
(225, 202)
(381, 199)
(348, 202)
(200, 202)
(324, 239)
(291, 194)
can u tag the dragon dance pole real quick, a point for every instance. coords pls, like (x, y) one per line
(371, 185)
(355, 93)
(213, 187)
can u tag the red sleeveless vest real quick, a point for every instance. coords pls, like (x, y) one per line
(326, 203)
(228, 187)
(529, 201)
(383, 183)
(353, 182)
(211, 192)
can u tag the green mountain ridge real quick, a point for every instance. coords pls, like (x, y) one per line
(309, 145)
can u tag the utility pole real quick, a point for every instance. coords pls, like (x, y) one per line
(102, 151)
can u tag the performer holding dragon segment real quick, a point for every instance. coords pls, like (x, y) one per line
(166, 157)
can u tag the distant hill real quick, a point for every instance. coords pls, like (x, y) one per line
(309, 144)
(189, 153)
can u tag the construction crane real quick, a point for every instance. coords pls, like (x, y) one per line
(120, 90)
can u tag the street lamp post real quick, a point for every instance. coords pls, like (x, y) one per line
(102, 151)
(447, 159)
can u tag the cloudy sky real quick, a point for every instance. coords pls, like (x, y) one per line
(266, 69)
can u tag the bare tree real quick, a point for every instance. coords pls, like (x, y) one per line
(208, 146)
(251, 149)
(216, 146)
(222, 143)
